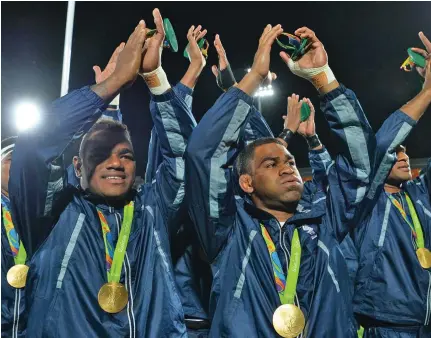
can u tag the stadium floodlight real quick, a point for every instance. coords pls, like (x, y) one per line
(27, 115)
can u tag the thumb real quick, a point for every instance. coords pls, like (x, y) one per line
(285, 57)
(97, 70)
(214, 70)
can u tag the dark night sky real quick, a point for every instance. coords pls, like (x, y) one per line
(366, 43)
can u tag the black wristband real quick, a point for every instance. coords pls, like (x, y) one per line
(313, 141)
(225, 78)
(113, 107)
(286, 135)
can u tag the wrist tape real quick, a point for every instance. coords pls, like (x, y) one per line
(318, 76)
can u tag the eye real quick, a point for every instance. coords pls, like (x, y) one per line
(292, 163)
(128, 157)
(270, 165)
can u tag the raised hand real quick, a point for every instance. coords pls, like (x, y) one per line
(222, 57)
(151, 58)
(129, 60)
(260, 68)
(110, 67)
(293, 118)
(263, 54)
(316, 55)
(308, 127)
(426, 53)
(193, 36)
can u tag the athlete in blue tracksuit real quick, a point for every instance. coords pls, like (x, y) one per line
(244, 296)
(61, 227)
(393, 291)
(12, 299)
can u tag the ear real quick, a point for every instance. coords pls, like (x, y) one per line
(246, 183)
(78, 166)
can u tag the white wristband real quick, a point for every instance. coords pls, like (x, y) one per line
(318, 76)
(157, 81)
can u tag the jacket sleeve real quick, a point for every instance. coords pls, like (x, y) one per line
(320, 162)
(37, 175)
(173, 125)
(349, 175)
(155, 157)
(209, 159)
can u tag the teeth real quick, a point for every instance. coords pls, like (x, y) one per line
(113, 178)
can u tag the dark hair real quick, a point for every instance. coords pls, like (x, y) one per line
(247, 154)
(103, 125)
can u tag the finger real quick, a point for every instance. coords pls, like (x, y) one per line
(97, 70)
(273, 34)
(141, 33)
(425, 41)
(265, 32)
(134, 33)
(420, 51)
(285, 57)
(274, 76)
(305, 32)
(214, 70)
(158, 22)
(202, 34)
(117, 52)
(197, 30)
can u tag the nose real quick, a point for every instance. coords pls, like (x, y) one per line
(114, 162)
(286, 170)
(402, 156)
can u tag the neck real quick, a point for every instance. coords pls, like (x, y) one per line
(282, 214)
(392, 188)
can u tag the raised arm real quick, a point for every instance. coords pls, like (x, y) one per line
(212, 149)
(183, 89)
(173, 125)
(349, 177)
(37, 172)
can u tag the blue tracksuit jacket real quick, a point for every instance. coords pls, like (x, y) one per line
(62, 234)
(243, 296)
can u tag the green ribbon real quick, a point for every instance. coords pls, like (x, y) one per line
(416, 227)
(21, 256)
(287, 296)
(120, 249)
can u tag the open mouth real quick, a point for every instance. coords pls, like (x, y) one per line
(115, 178)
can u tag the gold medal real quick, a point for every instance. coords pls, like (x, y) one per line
(17, 276)
(113, 297)
(288, 320)
(424, 257)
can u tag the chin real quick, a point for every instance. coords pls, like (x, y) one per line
(292, 196)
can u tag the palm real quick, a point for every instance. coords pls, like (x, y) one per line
(307, 128)
(151, 59)
(314, 58)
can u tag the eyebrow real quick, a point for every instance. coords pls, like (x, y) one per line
(276, 158)
(124, 151)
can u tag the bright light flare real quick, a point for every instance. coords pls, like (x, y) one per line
(27, 115)
(264, 91)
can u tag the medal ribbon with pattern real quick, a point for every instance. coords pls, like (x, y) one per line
(285, 292)
(423, 254)
(16, 246)
(416, 226)
(115, 258)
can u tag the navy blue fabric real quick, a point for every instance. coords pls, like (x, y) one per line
(13, 314)
(192, 273)
(61, 228)
(391, 285)
(243, 295)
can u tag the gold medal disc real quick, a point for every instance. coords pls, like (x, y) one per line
(113, 297)
(17, 276)
(288, 320)
(424, 257)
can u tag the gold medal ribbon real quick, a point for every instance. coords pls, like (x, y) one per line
(113, 296)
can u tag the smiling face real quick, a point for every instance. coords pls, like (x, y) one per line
(106, 164)
(401, 171)
(273, 180)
